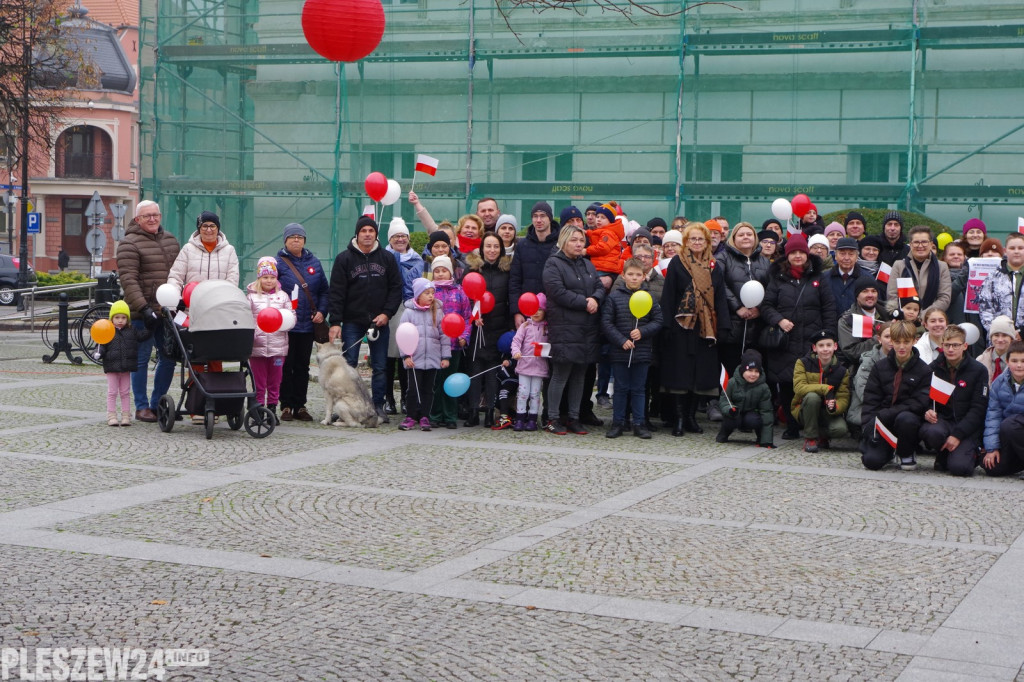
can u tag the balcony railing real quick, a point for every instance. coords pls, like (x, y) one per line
(70, 165)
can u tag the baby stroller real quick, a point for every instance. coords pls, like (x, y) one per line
(220, 328)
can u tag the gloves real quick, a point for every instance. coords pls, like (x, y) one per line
(734, 410)
(96, 355)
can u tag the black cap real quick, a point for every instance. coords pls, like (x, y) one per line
(847, 243)
(854, 215)
(765, 224)
(439, 236)
(865, 282)
(364, 221)
(208, 217)
(768, 234)
(824, 334)
(871, 240)
(750, 359)
(656, 222)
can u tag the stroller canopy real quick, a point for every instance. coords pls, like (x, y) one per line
(217, 305)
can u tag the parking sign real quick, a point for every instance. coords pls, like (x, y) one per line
(34, 223)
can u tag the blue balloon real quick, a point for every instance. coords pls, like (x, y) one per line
(456, 384)
(505, 342)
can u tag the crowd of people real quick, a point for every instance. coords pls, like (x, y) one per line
(854, 334)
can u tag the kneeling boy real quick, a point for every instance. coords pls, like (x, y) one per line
(1004, 421)
(747, 402)
(821, 392)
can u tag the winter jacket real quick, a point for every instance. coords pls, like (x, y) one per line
(860, 380)
(810, 312)
(966, 408)
(312, 271)
(655, 282)
(499, 320)
(433, 346)
(529, 333)
(830, 381)
(927, 350)
(363, 286)
(274, 344)
(143, 262)
(121, 354)
(958, 289)
(842, 291)
(454, 300)
(890, 253)
(912, 395)
(811, 229)
(195, 264)
(738, 270)
(410, 265)
(996, 298)
(903, 268)
(988, 361)
(568, 283)
(750, 397)
(527, 272)
(851, 347)
(605, 247)
(617, 322)
(1003, 402)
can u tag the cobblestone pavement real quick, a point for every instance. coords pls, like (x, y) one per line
(325, 553)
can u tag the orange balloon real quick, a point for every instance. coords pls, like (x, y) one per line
(102, 331)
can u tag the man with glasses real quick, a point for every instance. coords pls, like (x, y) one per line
(930, 275)
(954, 429)
(144, 259)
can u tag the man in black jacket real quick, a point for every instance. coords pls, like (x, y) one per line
(365, 293)
(954, 429)
(894, 244)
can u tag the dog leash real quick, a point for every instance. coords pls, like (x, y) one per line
(372, 334)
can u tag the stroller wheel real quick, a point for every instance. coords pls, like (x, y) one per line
(259, 422)
(208, 423)
(235, 420)
(165, 413)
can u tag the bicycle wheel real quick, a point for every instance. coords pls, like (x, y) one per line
(49, 332)
(100, 311)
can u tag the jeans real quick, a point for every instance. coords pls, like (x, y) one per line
(164, 373)
(350, 336)
(630, 391)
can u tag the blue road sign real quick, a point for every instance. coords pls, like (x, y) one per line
(10, 186)
(34, 221)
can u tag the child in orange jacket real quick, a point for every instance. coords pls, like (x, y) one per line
(605, 248)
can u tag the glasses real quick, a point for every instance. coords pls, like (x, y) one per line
(644, 257)
(953, 346)
(208, 227)
(917, 243)
(148, 216)
(295, 236)
(696, 240)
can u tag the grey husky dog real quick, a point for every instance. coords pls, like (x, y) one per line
(346, 397)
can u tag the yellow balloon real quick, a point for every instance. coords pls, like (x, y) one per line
(944, 240)
(640, 304)
(102, 331)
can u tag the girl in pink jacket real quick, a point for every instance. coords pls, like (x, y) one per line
(530, 347)
(268, 350)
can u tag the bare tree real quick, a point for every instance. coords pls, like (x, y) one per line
(627, 8)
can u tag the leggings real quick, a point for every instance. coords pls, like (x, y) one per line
(266, 376)
(567, 375)
(528, 400)
(119, 383)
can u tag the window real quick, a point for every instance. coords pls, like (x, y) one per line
(546, 166)
(387, 162)
(713, 167)
(84, 152)
(888, 166)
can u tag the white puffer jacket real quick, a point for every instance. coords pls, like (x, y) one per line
(268, 345)
(195, 264)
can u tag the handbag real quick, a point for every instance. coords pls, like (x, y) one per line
(773, 337)
(321, 330)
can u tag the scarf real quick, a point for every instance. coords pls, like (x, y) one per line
(698, 303)
(467, 244)
(931, 290)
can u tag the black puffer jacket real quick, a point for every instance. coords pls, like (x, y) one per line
(810, 312)
(568, 283)
(527, 273)
(122, 353)
(912, 395)
(617, 322)
(498, 321)
(738, 270)
(890, 253)
(966, 408)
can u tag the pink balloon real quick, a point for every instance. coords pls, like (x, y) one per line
(407, 338)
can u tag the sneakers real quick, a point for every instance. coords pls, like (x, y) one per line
(908, 463)
(286, 414)
(811, 445)
(640, 431)
(382, 416)
(556, 427)
(615, 431)
(198, 420)
(407, 424)
(302, 415)
(424, 424)
(574, 426)
(591, 419)
(604, 401)
(503, 423)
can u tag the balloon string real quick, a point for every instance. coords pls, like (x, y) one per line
(489, 369)
(630, 363)
(416, 381)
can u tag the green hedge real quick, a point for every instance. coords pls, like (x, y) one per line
(874, 216)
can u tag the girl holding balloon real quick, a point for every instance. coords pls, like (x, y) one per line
(119, 349)
(454, 304)
(270, 345)
(425, 350)
(492, 267)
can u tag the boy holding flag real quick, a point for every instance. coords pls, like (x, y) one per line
(959, 393)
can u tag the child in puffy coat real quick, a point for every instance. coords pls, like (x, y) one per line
(747, 402)
(605, 250)
(120, 359)
(530, 348)
(433, 352)
(453, 299)
(268, 349)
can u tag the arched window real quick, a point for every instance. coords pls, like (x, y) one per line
(84, 152)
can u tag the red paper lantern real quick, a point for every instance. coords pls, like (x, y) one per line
(528, 304)
(474, 285)
(186, 293)
(486, 302)
(453, 325)
(269, 320)
(801, 205)
(376, 185)
(343, 30)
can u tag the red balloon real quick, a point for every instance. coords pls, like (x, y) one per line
(376, 185)
(486, 302)
(528, 304)
(186, 293)
(269, 320)
(474, 285)
(453, 325)
(801, 205)
(343, 30)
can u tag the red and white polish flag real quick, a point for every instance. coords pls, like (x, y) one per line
(426, 164)
(541, 350)
(370, 212)
(905, 287)
(723, 380)
(940, 391)
(887, 435)
(792, 229)
(474, 314)
(863, 326)
(295, 297)
(1020, 225)
(883, 272)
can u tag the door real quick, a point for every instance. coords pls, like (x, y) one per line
(75, 226)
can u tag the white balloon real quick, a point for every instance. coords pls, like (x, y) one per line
(971, 332)
(752, 294)
(407, 338)
(288, 320)
(168, 295)
(782, 209)
(393, 194)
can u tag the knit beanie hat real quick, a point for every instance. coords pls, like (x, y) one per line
(542, 301)
(835, 227)
(543, 207)
(606, 212)
(208, 217)
(568, 213)
(1002, 325)
(640, 232)
(713, 225)
(817, 239)
(364, 221)
(672, 237)
(893, 215)
(865, 282)
(657, 222)
(975, 224)
(419, 285)
(442, 262)
(768, 234)
(438, 236)
(765, 224)
(797, 242)
(397, 226)
(751, 359)
(267, 265)
(292, 229)
(121, 308)
(871, 240)
(593, 207)
(854, 215)
(507, 219)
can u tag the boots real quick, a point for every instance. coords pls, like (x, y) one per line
(531, 423)
(680, 405)
(690, 414)
(112, 419)
(273, 411)
(489, 418)
(518, 425)
(723, 434)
